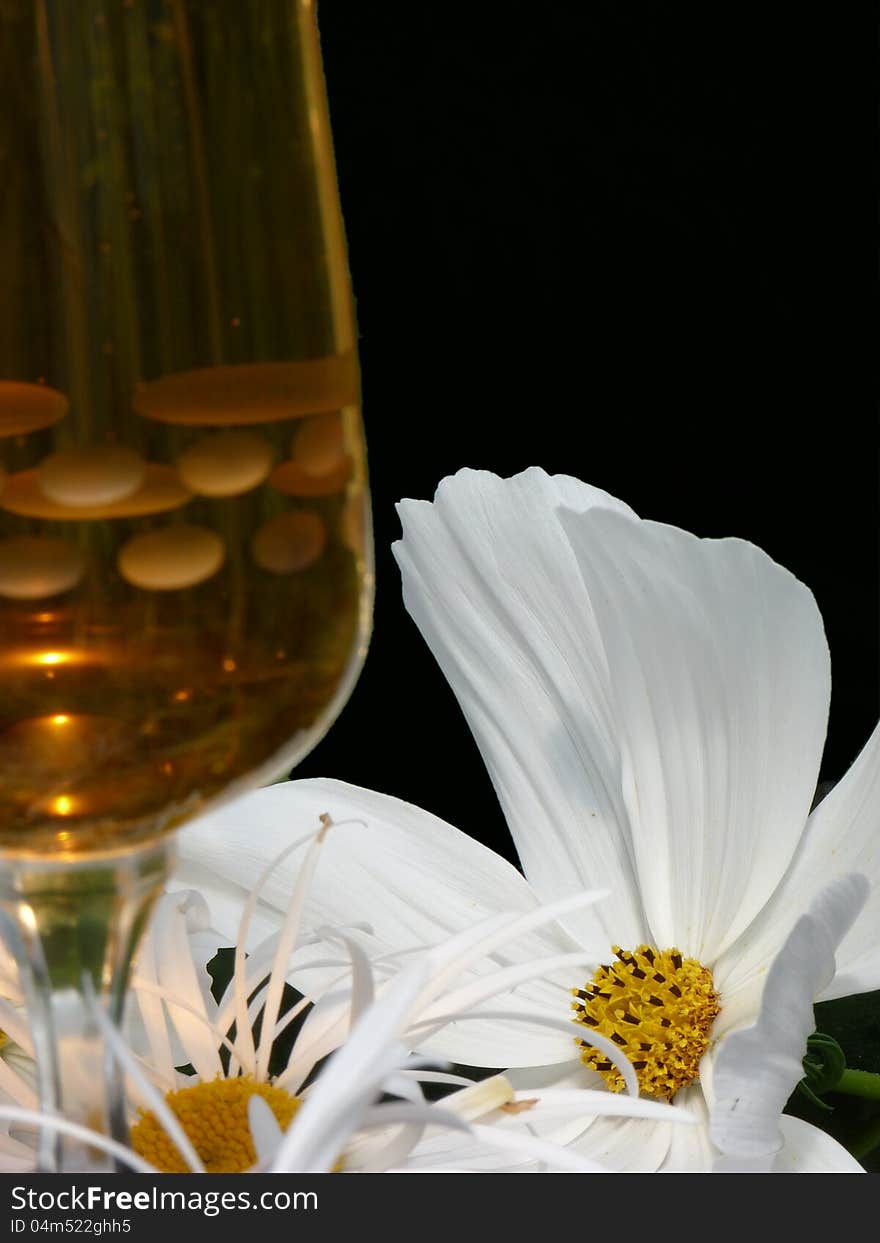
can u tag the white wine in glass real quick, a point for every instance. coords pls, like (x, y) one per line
(185, 558)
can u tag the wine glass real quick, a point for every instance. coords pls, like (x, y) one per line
(185, 559)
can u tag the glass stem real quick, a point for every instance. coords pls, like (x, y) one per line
(73, 924)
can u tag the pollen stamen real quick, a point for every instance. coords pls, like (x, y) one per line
(214, 1116)
(678, 993)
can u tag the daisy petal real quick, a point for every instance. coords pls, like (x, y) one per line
(266, 1134)
(180, 976)
(721, 681)
(94, 1139)
(350, 1082)
(491, 582)
(756, 1068)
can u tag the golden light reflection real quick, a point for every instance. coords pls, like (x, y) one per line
(26, 917)
(60, 718)
(183, 695)
(54, 658)
(62, 806)
(229, 665)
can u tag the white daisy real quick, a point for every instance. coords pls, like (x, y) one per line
(652, 710)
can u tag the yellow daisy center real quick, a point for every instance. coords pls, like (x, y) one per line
(215, 1118)
(659, 1008)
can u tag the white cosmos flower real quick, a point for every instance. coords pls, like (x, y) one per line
(652, 710)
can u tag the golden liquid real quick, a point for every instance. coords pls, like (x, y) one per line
(184, 549)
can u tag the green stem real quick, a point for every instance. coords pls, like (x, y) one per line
(864, 1083)
(863, 1144)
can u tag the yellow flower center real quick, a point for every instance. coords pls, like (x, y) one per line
(659, 1008)
(215, 1118)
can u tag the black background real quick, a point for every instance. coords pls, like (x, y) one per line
(630, 242)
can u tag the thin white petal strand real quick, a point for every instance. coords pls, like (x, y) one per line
(490, 580)
(152, 1036)
(179, 976)
(721, 679)
(530, 1019)
(286, 946)
(442, 1020)
(563, 1076)
(413, 879)
(255, 1060)
(94, 1139)
(265, 1132)
(549, 1116)
(756, 1068)
(351, 1081)
(552, 1156)
(153, 1099)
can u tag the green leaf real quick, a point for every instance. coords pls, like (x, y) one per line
(852, 1024)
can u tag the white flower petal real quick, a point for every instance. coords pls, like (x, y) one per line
(265, 1132)
(554, 1157)
(806, 1150)
(414, 879)
(842, 835)
(572, 1076)
(690, 1148)
(756, 1068)
(94, 1139)
(721, 682)
(491, 582)
(180, 976)
(627, 1145)
(351, 1081)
